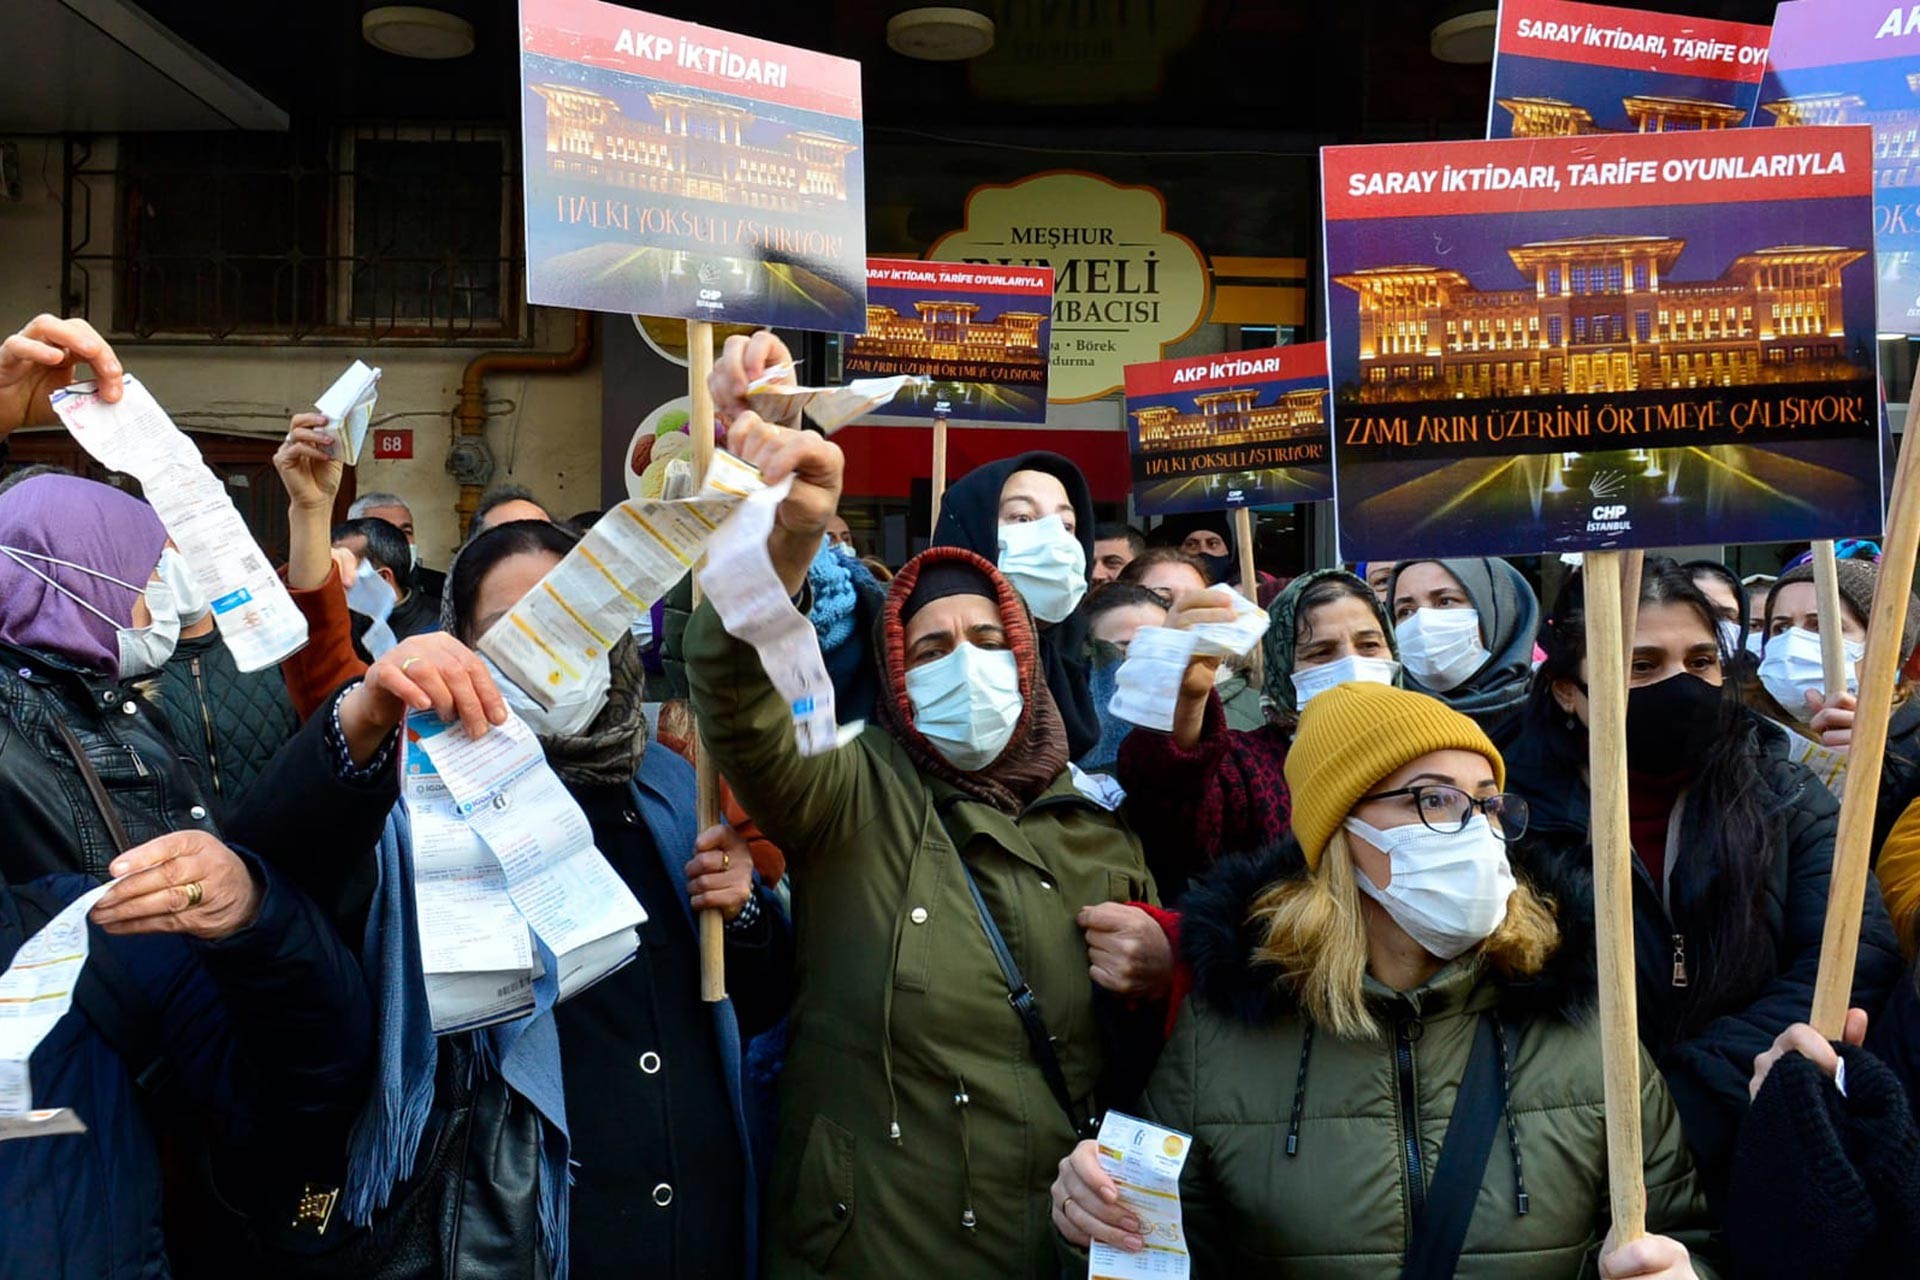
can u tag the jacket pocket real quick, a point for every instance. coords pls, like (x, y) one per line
(823, 1193)
(913, 956)
(1124, 887)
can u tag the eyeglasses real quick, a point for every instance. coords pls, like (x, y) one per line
(1446, 810)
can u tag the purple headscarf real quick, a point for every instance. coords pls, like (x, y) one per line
(84, 523)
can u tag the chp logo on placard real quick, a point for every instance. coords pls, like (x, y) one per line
(1124, 287)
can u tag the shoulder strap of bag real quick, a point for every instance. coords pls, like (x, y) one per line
(1441, 1230)
(1024, 1003)
(95, 788)
(110, 999)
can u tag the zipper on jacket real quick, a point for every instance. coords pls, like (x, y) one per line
(139, 765)
(1679, 959)
(206, 726)
(1405, 1032)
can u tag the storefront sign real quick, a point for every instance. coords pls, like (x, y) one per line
(1620, 340)
(1243, 429)
(1853, 62)
(1124, 287)
(1563, 69)
(675, 170)
(979, 332)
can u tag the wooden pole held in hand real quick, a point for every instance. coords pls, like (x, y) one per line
(1613, 892)
(1249, 587)
(1853, 843)
(939, 466)
(713, 941)
(1833, 648)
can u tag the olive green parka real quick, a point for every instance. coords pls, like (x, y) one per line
(1302, 1165)
(917, 1136)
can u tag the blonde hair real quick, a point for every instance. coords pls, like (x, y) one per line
(1317, 938)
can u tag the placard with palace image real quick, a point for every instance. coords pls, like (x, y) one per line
(1617, 340)
(675, 170)
(1854, 62)
(1562, 69)
(1240, 429)
(980, 333)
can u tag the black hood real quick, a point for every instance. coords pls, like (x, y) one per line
(970, 518)
(1218, 940)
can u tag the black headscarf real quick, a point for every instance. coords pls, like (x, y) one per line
(970, 518)
(1175, 530)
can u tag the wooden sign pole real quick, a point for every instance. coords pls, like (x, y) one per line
(1631, 564)
(1853, 844)
(1833, 649)
(939, 462)
(713, 942)
(1249, 584)
(1613, 891)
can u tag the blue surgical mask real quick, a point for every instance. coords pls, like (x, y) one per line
(967, 704)
(1046, 564)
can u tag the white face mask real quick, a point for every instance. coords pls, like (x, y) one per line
(1792, 665)
(1729, 636)
(188, 598)
(1046, 565)
(1449, 892)
(144, 650)
(413, 555)
(567, 717)
(967, 704)
(1756, 641)
(1441, 647)
(1311, 682)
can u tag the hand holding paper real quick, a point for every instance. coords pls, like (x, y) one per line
(39, 360)
(347, 406)
(1150, 680)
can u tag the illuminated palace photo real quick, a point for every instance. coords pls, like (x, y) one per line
(1648, 113)
(1600, 314)
(1896, 133)
(951, 331)
(697, 151)
(1226, 419)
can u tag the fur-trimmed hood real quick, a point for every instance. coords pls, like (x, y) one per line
(1218, 940)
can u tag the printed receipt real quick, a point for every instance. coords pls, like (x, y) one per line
(562, 886)
(1144, 1162)
(633, 556)
(1147, 686)
(257, 618)
(753, 606)
(35, 993)
(829, 408)
(475, 950)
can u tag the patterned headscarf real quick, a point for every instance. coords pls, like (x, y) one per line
(1284, 623)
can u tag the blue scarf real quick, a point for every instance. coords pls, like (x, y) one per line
(526, 1052)
(834, 599)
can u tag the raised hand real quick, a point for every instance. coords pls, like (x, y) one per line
(742, 360)
(39, 360)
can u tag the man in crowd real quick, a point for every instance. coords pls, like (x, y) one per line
(375, 542)
(1114, 547)
(393, 508)
(503, 504)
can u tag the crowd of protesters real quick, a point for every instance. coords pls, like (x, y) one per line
(1336, 917)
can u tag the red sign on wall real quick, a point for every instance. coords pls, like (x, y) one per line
(393, 442)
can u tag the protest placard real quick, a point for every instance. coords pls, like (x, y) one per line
(1606, 341)
(980, 333)
(1856, 62)
(675, 170)
(1563, 69)
(1243, 429)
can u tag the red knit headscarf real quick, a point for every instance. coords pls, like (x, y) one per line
(1036, 753)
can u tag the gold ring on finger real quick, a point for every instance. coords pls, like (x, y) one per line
(195, 892)
(409, 662)
(726, 861)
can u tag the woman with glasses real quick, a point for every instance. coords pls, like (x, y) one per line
(1373, 1001)
(1732, 846)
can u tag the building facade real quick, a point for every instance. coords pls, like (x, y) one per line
(1648, 113)
(1600, 314)
(949, 331)
(1896, 131)
(1228, 418)
(698, 150)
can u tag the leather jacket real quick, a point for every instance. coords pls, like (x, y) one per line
(53, 822)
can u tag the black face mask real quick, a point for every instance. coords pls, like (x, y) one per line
(1219, 568)
(1671, 724)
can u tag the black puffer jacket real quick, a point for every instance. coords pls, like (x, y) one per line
(228, 721)
(1707, 1071)
(52, 823)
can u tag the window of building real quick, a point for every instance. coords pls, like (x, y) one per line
(1639, 275)
(1579, 327)
(1579, 281)
(368, 235)
(1553, 282)
(1553, 331)
(1642, 326)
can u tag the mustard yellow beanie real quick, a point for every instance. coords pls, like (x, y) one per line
(1354, 735)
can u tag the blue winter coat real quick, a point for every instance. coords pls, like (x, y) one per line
(271, 1022)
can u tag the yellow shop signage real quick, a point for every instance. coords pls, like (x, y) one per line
(1124, 286)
